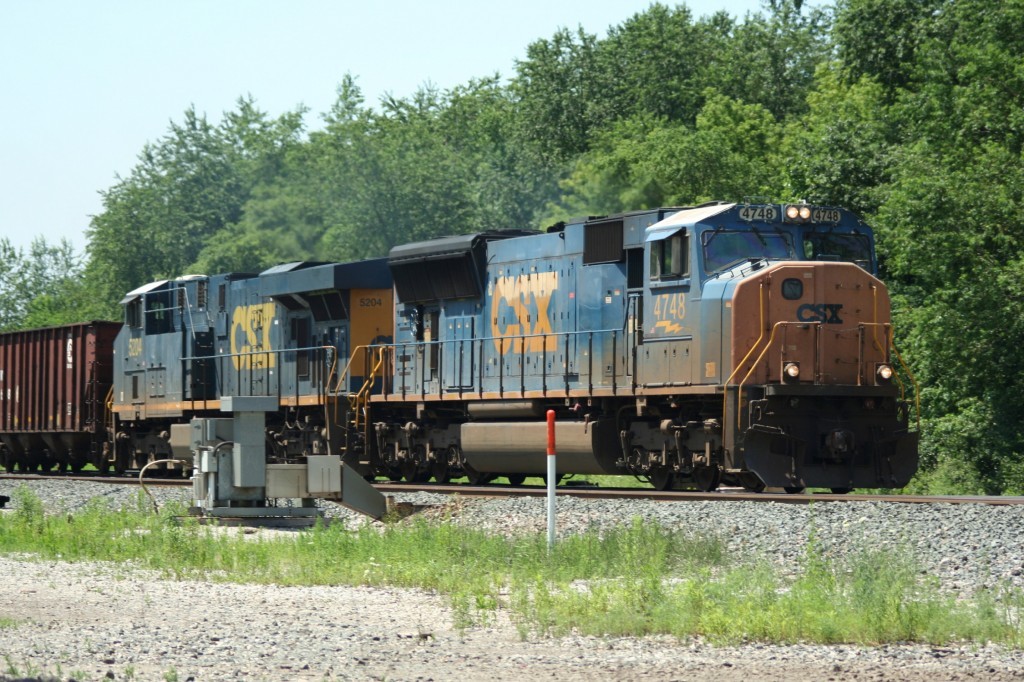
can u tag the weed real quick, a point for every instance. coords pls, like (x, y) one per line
(635, 579)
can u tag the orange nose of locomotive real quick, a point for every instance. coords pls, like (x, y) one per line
(816, 323)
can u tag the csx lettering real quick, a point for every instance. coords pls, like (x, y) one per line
(529, 297)
(250, 331)
(826, 313)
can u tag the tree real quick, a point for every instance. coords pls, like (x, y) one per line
(771, 60)
(185, 189)
(556, 88)
(42, 287)
(841, 152)
(435, 164)
(952, 222)
(730, 153)
(659, 63)
(879, 39)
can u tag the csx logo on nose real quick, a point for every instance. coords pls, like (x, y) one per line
(826, 313)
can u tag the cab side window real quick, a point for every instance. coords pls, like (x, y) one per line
(669, 258)
(133, 313)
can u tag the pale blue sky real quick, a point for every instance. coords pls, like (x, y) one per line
(85, 84)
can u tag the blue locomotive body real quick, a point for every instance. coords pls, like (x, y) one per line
(662, 339)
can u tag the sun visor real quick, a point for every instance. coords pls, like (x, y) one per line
(667, 227)
(144, 289)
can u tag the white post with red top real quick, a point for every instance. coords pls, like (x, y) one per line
(552, 478)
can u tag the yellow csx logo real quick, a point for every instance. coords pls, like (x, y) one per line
(669, 311)
(250, 331)
(529, 297)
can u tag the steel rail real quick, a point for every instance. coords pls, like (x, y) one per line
(591, 492)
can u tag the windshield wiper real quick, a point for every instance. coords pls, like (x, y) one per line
(757, 234)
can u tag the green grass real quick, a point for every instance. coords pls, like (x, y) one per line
(638, 579)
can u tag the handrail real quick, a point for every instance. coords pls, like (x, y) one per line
(753, 366)
(874, 298)
(818, 326)
(477, 348)
(359, 399)
(263, 369)
(917, 389)
(760, 326)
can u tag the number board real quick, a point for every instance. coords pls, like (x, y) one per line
(825, 215)
(766, 213)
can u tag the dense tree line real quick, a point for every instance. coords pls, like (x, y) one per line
(910, 112)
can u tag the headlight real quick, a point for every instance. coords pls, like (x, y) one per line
(798, 213)
(791, 371)
(884, 373)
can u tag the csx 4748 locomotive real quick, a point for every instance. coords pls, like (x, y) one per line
(742, 343)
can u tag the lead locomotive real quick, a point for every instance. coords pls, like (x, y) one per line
(750, 344)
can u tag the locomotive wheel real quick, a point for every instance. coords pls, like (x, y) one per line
(661, 479)
(751, 482)
(412, 472)
(516, 480)
(558, 478)
(440, 472)
(476, 477)
(707, 479)
(794, 489)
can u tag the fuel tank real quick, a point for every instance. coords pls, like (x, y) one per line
(521, 447)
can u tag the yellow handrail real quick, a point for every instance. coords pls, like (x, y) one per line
(753, 366)
(917, 390)
(725, 384)
(362, 397)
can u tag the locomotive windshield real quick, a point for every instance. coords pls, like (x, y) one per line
(855, 248)
(725, 248)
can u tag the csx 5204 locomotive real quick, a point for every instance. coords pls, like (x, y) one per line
(739, 343)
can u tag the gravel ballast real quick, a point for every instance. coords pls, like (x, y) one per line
(98, 620)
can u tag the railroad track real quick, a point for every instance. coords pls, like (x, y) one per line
(588, 492)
